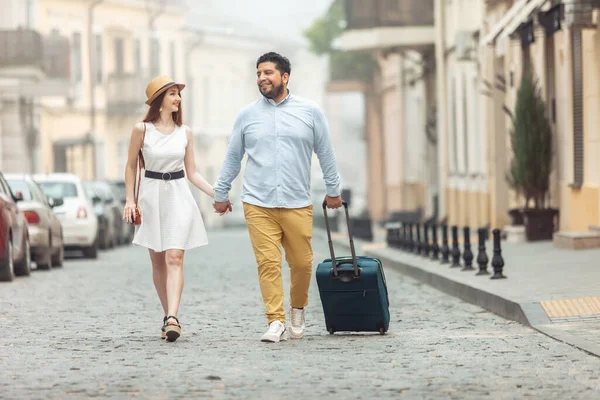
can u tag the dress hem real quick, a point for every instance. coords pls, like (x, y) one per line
(170, 247)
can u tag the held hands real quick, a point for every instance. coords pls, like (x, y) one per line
(333, 202)
(222, 207)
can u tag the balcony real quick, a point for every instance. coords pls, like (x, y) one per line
(388, 24)
(21, 48)
(125, 94)
(34, 65)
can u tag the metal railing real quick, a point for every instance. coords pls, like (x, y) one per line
(364, 14)
(21, 48)
(125, 93)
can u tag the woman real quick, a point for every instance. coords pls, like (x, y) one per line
(170, 219)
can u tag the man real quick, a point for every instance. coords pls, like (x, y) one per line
(279, 132)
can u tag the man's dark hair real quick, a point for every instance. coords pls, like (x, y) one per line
(281, 63)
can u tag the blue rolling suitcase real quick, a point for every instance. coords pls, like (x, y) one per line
(353, 290)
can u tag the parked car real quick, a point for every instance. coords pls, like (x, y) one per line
(15, 254)
(105, 209)
(119, 191)
(79, 221)
(125, 233)
(45, 229)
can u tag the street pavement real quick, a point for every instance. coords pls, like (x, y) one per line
(92, 330)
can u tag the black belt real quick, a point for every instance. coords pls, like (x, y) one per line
(165, 176)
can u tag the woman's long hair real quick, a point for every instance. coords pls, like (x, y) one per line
(153, 113)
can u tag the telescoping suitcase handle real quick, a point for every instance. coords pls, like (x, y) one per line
(333, 260)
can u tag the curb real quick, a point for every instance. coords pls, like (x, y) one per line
(530, 314)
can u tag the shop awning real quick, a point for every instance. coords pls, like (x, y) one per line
(521, 17)
(505, 20)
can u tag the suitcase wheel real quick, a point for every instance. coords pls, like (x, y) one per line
(331, 331)
(381, 331)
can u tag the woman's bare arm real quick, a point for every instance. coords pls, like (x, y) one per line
(135, 144)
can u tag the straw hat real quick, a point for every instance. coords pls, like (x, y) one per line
(158, 85)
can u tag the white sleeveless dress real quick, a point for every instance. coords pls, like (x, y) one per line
(170, 216)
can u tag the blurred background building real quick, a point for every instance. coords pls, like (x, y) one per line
(420, 94)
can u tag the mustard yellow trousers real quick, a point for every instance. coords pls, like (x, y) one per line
(269, 229)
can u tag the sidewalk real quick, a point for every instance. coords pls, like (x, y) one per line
(555, 291)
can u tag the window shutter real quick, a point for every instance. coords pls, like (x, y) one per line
(577, 108)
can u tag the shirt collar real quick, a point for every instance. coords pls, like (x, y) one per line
(272, 102)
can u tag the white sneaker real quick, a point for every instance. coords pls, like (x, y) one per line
(296, 327)
(275, 333)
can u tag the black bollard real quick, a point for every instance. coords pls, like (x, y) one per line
(402, 241)
(425, 248)
(455, 250)
(482, 258)
(395, 237)
(497, 260)
(418, 244)
(467, 253)
(390, 237)
(445, 248)
(435, 249)
(411, 242)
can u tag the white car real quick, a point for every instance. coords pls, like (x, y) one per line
(79, 221)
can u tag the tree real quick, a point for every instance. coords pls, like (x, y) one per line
(531, 140)
(323, 34)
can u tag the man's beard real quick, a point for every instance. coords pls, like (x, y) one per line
(273, 93)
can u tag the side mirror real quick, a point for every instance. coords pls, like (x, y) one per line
(56, 202)
(107, 201)
(18, 196)
(96, 200)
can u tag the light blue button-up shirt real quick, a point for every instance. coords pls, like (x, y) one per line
(279, 140)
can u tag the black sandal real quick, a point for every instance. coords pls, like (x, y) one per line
(172, 331)
(163, 334)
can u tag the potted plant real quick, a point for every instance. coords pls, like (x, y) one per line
(529, 174)
(512, 178)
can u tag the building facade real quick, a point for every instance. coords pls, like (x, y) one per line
(116, 47)
(481, 48)
(402, 146)
(33, 66)
(559, 42)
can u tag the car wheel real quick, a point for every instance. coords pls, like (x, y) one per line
(23, 267)
(46, 261)
(7, 268)
(58, 257)
(92, 251)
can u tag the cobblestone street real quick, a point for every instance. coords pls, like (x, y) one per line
(92, 330)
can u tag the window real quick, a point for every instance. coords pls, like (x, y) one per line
(59, 190)
(206, 100)
(119, 63)
(30, 17)
(465, 116)
(99, 59)
(577, 77)
(76, 57)
(38, 194)
(478, 146)
(453, 159)
(18, 186)
(137, 53)
(100, 164)
(154, 57)
(173, 61)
